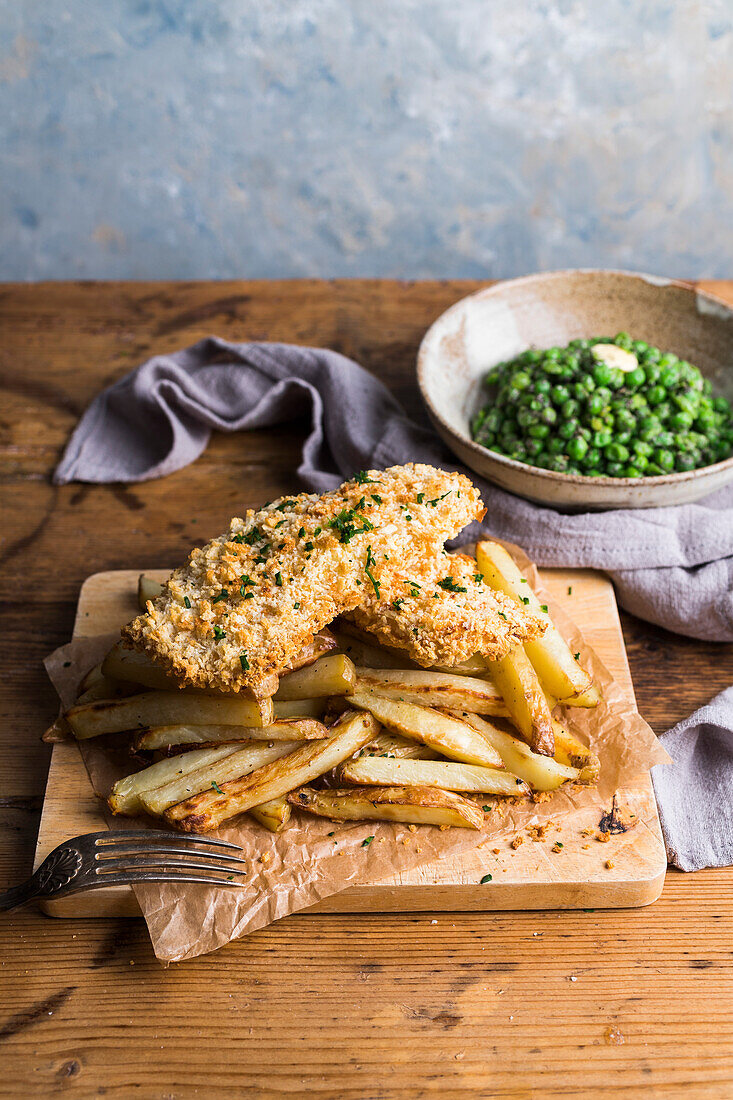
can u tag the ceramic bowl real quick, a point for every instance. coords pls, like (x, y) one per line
(547, 310)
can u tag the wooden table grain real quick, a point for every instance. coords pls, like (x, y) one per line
(531, 1004)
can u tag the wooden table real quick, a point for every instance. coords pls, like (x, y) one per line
(341, 1006)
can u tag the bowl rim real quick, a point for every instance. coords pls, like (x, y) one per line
(660, 281)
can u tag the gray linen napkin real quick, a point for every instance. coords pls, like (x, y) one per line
(695, 793)
(672, 566)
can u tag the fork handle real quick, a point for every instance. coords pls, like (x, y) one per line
(19, 895)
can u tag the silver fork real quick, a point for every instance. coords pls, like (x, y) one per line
(127, 857)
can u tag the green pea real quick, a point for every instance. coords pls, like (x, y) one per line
(640, 461)
(548, 415)
(570, 408)
(521, 379)
(615, 469)
(623, 436)
(656, 395)
(680, 420)
(653, 470)
(664, 458)
(652, 372)
(559, 394)
(539, 431)
(616, 452)
(577, 448)
(684, 463)
(664, 439)
(635, 378)
(556, 446)
(592, 458)
(623, 340)
(602, 438)
(641, 448)
(568, 428)
(602, 374)
(596, 403)
(542, 385)
(632, 471)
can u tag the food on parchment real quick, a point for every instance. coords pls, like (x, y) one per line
(436, 687)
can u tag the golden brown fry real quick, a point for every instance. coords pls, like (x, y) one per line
(517, 681)
(559, 672)
(208, 810)
(210, 777)
(570, 750)
(543, 773)
(412, 805)
(274, 815)
(448, 775)
(163, 708)
(289, 729)
(125, 795)
(332, 675)
(447, 736)
(432, 689)
(401, 748)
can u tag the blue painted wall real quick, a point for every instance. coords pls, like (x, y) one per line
(216, 138)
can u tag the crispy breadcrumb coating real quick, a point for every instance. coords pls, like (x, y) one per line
(248, 601)
(440, 611)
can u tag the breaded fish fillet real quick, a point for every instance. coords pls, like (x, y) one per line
(246, 603)
(440, 612)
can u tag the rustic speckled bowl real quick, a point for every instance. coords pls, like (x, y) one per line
(547, 310)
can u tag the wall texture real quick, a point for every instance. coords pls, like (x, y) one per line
(216, 138)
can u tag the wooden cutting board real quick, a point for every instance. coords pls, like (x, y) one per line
(528, 877)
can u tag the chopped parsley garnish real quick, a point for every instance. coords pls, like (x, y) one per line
(279, 579)
(297, 605)
(301, 532)
(370, 561)
(525, 599)
(186, 601)
(260, 559)
(524, 580)
(317, 532)
(223, 595)
(486, 878)
(408, 518)
(570, 590)
(285, 504)
(478, 577)
(577, 656)
(345, 524)
(543, 606)
(219, 633)
(487, 809)
(253, 536)
(376, 497)
(397, 604)
(216, 787)
(559, 844)
(436, 500)
(238, 538)
(248, 595)
(246, 582)
(362, 478)
(329, 834)
(449, 585)
(282, 521)
(243, 661)
(365, 843)
(502, 614)
(309, 546)
(420, 498)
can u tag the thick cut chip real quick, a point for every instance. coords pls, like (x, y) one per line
(440, 612)
(246, 603)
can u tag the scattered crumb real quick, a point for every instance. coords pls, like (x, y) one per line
(265, 858)
(132, 962)
(541, 796)
(586, 846)
(418, 849)
(573, 978)
(538, 933)
(589, 831)
(433, 922)
(613, 1037)
(539, 832)
(496, 851)
(412, 828)
(516, 842)
(609, 864)
(556, 847)
(460, 1056)
(603, 837)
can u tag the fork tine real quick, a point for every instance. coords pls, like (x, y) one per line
(130, 852)
(142, 877)
(101, 840)
(112, 866)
